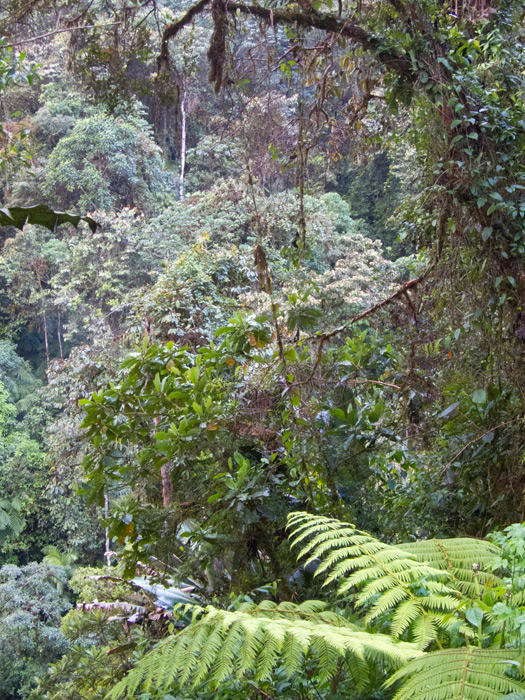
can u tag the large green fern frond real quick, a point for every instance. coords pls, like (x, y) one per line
(11, 520)
(459, 674)
(467, 559)
(254, 640)
(386, 578)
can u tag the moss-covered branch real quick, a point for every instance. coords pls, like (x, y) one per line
(389, 58)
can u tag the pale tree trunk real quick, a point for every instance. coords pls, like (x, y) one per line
(59, 338)
(182, 144)
(107, 553)
(46, 342)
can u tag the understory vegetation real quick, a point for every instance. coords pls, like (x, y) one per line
(262, 328)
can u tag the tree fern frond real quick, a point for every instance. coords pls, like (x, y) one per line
(404, 616)
(11, 520)
(458, 674)
(385, 577)
(458, 555)
(256, 639)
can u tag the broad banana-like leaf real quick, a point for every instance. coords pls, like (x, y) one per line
(43, 216)
(166, 598)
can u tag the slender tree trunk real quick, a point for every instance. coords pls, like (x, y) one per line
(165, 132)
(46, 342)
(167, 486)
(59, 338)
(107, 553)
(182, 143)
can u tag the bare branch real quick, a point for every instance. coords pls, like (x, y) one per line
(62, 31)
(479, 437)
(401, 291)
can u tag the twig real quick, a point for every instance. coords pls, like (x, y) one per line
(318, 358)
(323, 337)
(402, 290)
(501, 425)
(373, 381)
(172, 30)
(61, 31)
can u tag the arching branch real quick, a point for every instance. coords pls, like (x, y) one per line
(173, 29)
(388, 58)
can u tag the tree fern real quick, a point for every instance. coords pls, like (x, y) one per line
(459, 674)
(11, 520)
(387, 578)
(467, 559)
(254, 640)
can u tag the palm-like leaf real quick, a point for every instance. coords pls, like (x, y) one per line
(459, 674)
(387, 578)
(467, 559)
(254, 640)
(11, 520)
(41, 215)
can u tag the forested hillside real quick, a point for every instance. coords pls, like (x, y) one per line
(262, 390)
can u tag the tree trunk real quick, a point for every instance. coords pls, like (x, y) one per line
(46, 342)
(167, 486)
(59, 338)
(182, 144)
(107, 553)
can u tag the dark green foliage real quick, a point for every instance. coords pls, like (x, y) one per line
(42, 216)
(16, 376)
(373, 196)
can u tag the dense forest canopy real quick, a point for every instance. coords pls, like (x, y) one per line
(262, 397)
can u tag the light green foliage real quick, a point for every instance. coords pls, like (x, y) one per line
(464, 557)
(99, 271)
(460, 674)
(253, 640)
(13, 71)
(360, 275)
(22, 483)
(251, 393)
(89, 584)
(62, 106)
(211, 159)
(7, 413)
(196, 294)
(106, 162)
(385, 576)
(221, 644)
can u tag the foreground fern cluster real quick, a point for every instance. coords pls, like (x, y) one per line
(423, 614)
